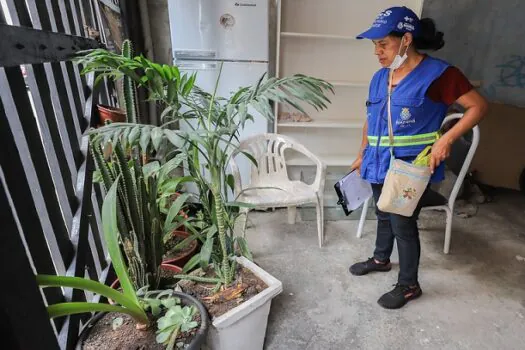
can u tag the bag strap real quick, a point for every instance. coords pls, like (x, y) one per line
(390, 127)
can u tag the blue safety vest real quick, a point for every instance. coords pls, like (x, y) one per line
(416, 119)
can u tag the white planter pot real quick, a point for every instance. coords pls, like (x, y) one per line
(244, 327)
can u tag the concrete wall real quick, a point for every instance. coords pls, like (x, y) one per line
(160, 30)
(486, 40)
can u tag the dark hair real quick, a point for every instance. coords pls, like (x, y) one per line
(429, 38)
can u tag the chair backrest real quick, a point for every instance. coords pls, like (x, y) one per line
(268, 151)
(468, 158)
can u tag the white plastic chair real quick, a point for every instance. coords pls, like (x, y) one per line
(447, 204)
(270, 186)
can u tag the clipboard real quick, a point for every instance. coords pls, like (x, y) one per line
(352, 191)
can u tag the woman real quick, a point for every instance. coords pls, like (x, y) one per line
(423, 88)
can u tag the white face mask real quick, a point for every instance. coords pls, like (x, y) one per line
(399, 60)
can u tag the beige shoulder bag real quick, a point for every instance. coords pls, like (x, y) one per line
(405, 182)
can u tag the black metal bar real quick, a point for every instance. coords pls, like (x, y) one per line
(67, 116)
(69, 14)
(93, 267)
(40, 92)
(95, 23)
(68, 336)
(39, 88)
(63, 118)
(23, 14)
(27, 121)
(20, 45)
(34, 223)
(77, 92)
(96, 229)
(23, 311)
(72, 17)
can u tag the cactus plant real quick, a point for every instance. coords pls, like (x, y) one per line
(129, 87)
(140, 223)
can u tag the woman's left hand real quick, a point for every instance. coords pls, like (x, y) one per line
(440, 152)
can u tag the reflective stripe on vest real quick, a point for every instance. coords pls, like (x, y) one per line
(412, 140)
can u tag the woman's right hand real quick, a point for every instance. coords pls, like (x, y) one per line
(356, 165)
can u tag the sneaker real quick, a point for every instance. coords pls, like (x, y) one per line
(362, 268)
(399, 296)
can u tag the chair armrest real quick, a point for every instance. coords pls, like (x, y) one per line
(320, 175)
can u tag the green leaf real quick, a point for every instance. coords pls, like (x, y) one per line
(192, 263)
(154, 304)
(176, 137)
(72, 308)
(189, 85)
(169, 302)
(189, 325)
(243, 246)
(150, 169)
(230, 180)
(145, 138)
(250, 157)
(156, 137)
(169, 166)
(111, 235)
(95, 287)
(164, 336)
(172, 185)
(174, 210)
(167, 71)
(134, 135)
(172, 90)
(207, 249)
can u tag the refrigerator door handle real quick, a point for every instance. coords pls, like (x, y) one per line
(197, 65)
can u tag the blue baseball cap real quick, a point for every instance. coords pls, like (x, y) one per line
(394, 19)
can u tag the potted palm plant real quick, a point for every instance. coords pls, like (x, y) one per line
(140, 318)
(225, 259)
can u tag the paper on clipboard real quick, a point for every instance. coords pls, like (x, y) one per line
(352, 191)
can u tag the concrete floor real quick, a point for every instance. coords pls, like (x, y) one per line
(473, 298)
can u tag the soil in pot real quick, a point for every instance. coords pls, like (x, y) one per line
(245, 286)
(127, 336)
(179, 257)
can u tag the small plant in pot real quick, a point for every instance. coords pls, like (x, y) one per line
(181, 235)
(142, 319)
(109, 114)
(141, 224)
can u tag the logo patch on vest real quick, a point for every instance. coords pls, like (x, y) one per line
(405, 117)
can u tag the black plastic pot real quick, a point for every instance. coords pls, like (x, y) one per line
(186, 299)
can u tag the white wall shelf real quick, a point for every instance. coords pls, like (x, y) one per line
(325, 123)
(316, 36)
(328, 159)
(348, 83)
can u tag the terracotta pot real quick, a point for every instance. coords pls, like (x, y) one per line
(113, 114)
(186, 299)
(183, 257)
(176, 269)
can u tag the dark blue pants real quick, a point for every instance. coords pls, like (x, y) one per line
(404, 230)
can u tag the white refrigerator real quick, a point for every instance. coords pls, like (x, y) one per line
(205, 33)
